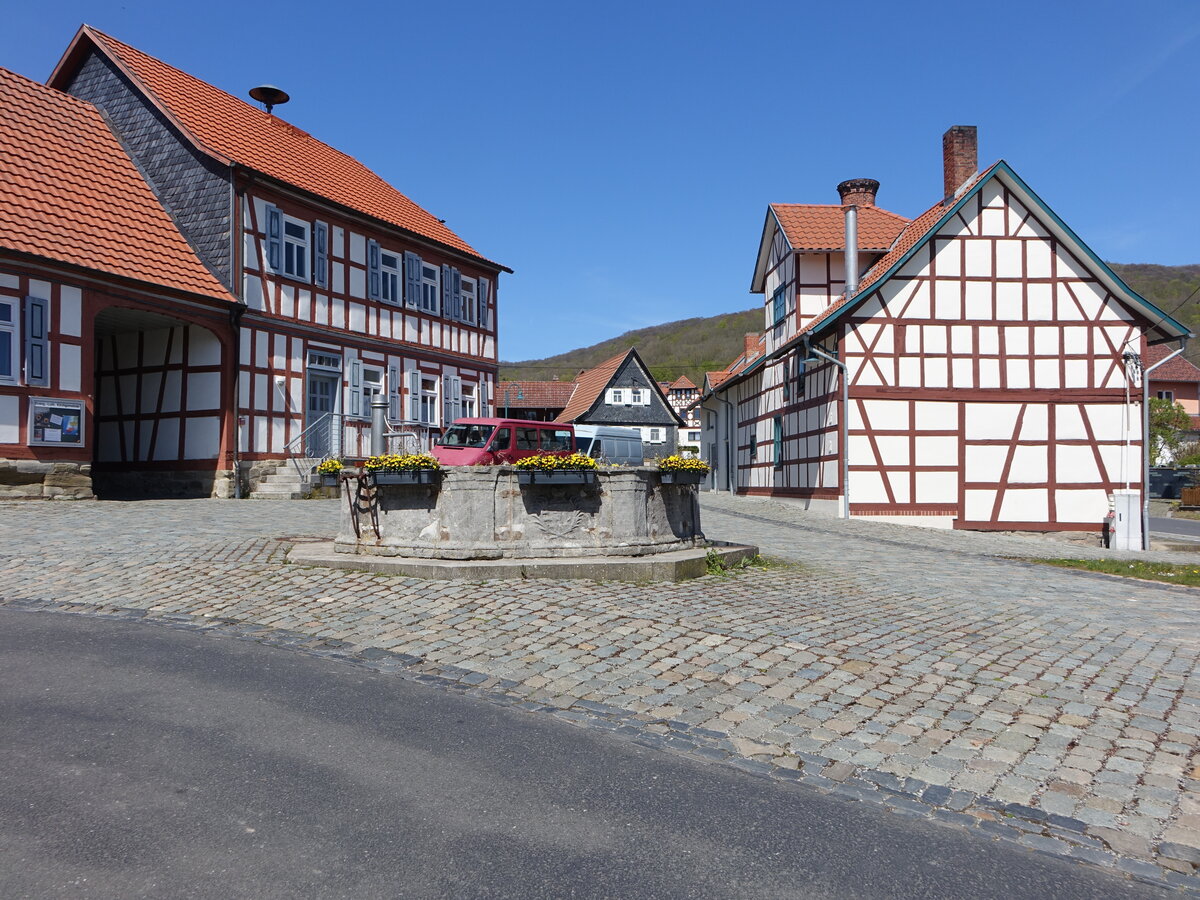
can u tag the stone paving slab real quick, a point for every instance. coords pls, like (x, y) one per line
(916, 667)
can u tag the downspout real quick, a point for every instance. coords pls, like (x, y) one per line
(235, 322)
(844, 447)
(1146, 440)
(730, 445)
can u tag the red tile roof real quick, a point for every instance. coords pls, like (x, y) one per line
(534, 394)
(233, 130)
(821, 226)
(69, 193)
(682, 383)
(590, 385)
(1178, 369)
(912, 234)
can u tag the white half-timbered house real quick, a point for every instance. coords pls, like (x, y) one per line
(982, 371)
(336, 288)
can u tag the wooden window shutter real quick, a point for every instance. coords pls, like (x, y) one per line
(412, 279)
(356, 394)
(457, 398)
(448, 398)
(373, 275)
(37, 342)
(393, 385)
(414, 395)
(485, 291)
(456, 293)
(446, 312)
(320, 254)
(274, 239)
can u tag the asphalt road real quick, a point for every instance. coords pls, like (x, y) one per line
(145, 761)
(1185, 527)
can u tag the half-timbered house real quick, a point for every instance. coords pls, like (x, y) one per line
(975, 367)
(340, 289)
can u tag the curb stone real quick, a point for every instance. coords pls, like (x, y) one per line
(1024, 826)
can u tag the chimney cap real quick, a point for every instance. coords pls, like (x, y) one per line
(858, 191)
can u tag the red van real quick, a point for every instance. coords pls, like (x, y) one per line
(487, 442)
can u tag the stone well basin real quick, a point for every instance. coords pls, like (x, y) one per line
(483, 512)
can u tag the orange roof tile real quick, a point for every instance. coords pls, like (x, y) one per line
(534, 394)
(68, 192)
(912, 234)
(821, 226)
(233, 130)
(682, 383)
(590, 385)
(1178, 369)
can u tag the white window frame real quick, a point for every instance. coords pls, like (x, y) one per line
(656, 436)
(11, 331)
(635, 396)
(289, 243)
(617, 397)
(1166, 395)
(469, 287)
(390, 283)
(470, 408)
(429, 401)
(324, 360)
(431, 283)
(373, 385)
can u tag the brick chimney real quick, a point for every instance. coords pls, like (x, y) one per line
(960, 157)
(858, 191)
(750, 344)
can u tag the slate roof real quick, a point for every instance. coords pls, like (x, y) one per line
(1178, 369)
(590, 385)
(535, 394)
(822, 226)
(69, 193)
(234, 131)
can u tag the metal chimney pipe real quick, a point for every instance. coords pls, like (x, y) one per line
(851, 251)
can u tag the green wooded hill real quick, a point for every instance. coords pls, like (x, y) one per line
(688, 347)
(692, 347)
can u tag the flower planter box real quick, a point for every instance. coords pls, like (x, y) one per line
(413, 476)
(682, 477)
(329, 480)
(555, 476)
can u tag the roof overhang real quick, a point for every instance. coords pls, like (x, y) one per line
(1163, 327)
(770, 226)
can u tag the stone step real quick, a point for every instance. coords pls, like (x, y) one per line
(285, 478)
(289, 495)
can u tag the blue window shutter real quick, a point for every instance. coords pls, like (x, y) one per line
(412, 279)
(37, 342)
(414, 395)
(787, 380)
(456, 295)
(485, 291)
(393, 385)
(448, 398)
(274, 239)
(373, 276)
(356, 397)
(446, 304)
(320, 254)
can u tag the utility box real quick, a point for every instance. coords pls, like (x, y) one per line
(1127, 520)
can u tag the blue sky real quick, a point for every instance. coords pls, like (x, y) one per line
(620, 156)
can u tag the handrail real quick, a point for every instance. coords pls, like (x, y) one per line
(295, 449)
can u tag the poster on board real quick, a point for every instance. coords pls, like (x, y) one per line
(55, 423)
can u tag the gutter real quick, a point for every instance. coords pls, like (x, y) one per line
(1146, 440)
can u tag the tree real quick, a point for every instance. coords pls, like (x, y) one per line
(1168, 424)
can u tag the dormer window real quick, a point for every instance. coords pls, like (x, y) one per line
(295, 248)
(635, 396)
(618, 396)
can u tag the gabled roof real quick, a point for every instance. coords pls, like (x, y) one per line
(69, 193)
(682, 383)
(534, 394)
(590, 385)
(816, 227)
(1178, 369)
(921, 229)
(235, 132)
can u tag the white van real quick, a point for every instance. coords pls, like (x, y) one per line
(619, 446)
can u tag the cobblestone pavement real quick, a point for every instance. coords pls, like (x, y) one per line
(918, 668)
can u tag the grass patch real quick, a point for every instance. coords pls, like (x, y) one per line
(1170, 573)
(717, 565)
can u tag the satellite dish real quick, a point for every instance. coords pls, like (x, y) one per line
(269, 96)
